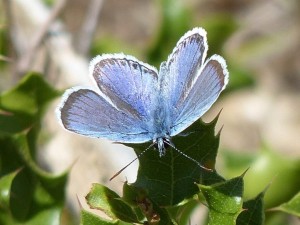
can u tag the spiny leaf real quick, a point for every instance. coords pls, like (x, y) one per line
(170, 179)
(253, 213)
(224, 200)
(51, 182)
(29, 96)
(88, 218)
(145, 207)
(106, 200)
(292, 207)
(36, 197)
(182, 212)
(23, 105)
(5, 189)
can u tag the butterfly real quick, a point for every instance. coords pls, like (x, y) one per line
(136, 103)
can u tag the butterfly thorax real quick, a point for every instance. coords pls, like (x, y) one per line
(161, 127)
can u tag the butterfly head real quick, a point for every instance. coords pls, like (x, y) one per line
(162, 143)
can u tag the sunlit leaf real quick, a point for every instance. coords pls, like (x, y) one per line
(22, 106)
(106, 200)
(224, 200)
(292, 207)
(5, 189)
(171, 178)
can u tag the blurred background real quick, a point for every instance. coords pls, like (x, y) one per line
(260, 107)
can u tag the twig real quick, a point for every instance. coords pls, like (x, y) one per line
(89, 26)
(5, 58)
(25, 61)
(9, 17)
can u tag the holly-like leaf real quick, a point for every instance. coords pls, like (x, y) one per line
(53, 183)
(253, 213)
(224, 200)
(171, 178)
(106, 200)
(292, 207)
(182, 212)
(5, 189)
(145, 207)
(35, 196)
(88, 218)
(22, 106)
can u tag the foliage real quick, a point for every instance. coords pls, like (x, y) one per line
(166, 185)
(28, 194)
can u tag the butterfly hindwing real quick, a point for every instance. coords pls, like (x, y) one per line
(86, 112)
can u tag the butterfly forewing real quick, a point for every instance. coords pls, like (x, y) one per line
(181, 68)
(203, 92)
(128, 83)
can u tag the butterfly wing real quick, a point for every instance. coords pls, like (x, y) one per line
(191, 85)
(204, 91)
(127, 82)
(182, 65)
(121, 111)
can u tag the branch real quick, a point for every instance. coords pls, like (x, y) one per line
(5, 58)
(89, 26)
(25, 61)
(10, 27)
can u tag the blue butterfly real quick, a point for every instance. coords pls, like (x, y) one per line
(136, 103)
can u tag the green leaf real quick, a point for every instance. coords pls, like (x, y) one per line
(106, 200)
(22, 190)
(181, 213)
(88, 218)
(266, 166)
(23, 105)
(29, 96)
(31, 203)
(224, 200)
(5, 189)
(36, 197)
(53, 183)
(291, 207)
(144, 206)
(171, 178)
(253, 213)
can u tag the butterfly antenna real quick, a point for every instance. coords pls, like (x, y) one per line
(138, 156)
(188, 157)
